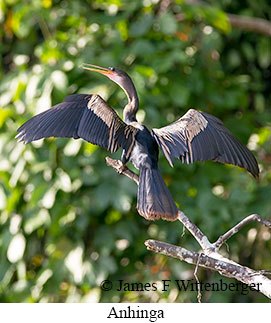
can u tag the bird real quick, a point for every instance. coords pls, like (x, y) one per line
(196, 136)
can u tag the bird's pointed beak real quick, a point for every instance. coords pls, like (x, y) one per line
(94, 68)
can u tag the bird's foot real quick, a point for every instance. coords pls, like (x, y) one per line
(121, 168)
(117, 165)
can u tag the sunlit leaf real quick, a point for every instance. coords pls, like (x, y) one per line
(16, 248)
(36, 221)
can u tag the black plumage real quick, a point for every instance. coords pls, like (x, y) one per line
(197, 136)
(80, 116)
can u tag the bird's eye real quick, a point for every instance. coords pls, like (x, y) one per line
(112, 69)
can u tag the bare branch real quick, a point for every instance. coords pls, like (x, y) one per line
(210, 258)
(195, 231)
(251, 218)
(197, 279)
(256, 25)
(244, 274)
(123, 170)
(250, 24)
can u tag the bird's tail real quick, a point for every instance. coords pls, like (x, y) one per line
(154, 200)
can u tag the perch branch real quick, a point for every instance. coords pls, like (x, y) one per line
(253, 278)
(123, 170)
(210, 258)
(195, 231)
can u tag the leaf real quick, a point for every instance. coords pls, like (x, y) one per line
(179, 94)
(36, 221)
(59, 79)
(4, 115)
(168, 24)
(16, 248)
(264, 52)
(142, 47)
(217, 18)
(141, 26)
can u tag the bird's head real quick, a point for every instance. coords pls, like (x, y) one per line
(116, 75)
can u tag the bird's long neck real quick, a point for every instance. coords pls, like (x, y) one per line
(130, 110)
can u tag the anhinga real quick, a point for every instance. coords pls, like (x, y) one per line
(197, 136)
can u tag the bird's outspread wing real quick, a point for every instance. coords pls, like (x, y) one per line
(199, 136)
(80, 116)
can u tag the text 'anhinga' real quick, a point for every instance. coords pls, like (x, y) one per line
(197, 136)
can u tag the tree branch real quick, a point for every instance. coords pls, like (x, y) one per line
(210, 258)
(256, 25)
(251, 218)
(122, 170)
(253, 278)
(250, 24)
(198, 235)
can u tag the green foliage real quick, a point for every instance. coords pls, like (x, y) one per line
(67, 220)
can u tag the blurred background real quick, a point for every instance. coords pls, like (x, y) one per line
(67, 220)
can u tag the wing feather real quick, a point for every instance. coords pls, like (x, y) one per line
(199, 136)
(80, 116)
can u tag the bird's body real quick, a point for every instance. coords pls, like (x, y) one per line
(154, 199)
(196, 136)
(145, 150)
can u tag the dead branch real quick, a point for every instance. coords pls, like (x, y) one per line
(210, 257)
(244, 274)
(251, 218)
(123, 170)
(203, 241)
(249, 24)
